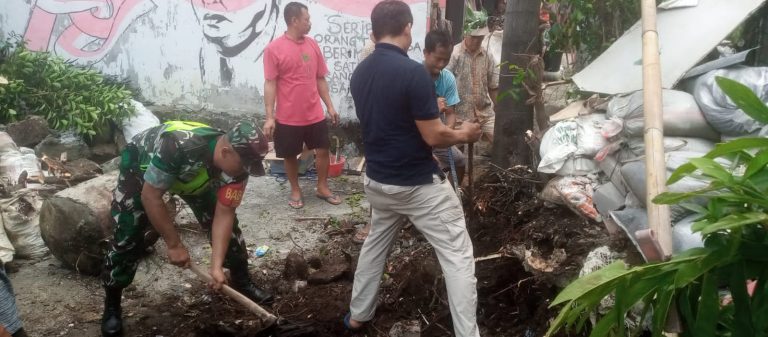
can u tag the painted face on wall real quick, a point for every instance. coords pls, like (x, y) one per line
(232, 25)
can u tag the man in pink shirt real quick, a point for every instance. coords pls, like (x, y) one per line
(294, 72)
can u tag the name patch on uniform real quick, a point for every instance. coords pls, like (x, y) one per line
(231, 194)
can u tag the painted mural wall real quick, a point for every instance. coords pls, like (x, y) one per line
(196, 54)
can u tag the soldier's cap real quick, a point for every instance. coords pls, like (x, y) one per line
(250, 143)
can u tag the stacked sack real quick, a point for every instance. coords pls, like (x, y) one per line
(19, 210)
(609, 171)
(721, 112)
(687, 135)
(568, 149)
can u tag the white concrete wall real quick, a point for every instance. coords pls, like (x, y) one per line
(197, 54)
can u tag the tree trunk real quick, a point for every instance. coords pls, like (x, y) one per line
(513, 116)
(454, 12)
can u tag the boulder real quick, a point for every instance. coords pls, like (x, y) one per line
(103, 152)
(111, 165)
(29, 132)
(75, 221)
(67, 142)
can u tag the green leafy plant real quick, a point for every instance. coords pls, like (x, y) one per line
(519, 76)
(68, 96)
(733, 260)
(474, 20)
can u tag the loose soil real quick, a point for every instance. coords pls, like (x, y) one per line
(514, 290)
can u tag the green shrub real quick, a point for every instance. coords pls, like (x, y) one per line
(70, 97)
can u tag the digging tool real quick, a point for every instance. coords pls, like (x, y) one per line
(470, 184)
(266, 317)
(338, 149)
(453, 171)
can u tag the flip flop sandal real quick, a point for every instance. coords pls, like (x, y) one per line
(347, 317)
(296, 203)
(331, 199)
(360, 235)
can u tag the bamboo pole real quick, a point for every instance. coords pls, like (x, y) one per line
(655, 166)
(267, 318)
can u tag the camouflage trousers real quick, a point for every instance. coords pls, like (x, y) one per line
(129, 242)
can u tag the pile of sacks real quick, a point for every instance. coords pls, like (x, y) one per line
(19, 216)
(598, 157)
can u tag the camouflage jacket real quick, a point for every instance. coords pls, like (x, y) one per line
(178, 157)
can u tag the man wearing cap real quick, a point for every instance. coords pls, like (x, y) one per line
(477, 75)
(208, 168)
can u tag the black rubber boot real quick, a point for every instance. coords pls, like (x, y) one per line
(241, 282)
(111, 320)
(20, 333)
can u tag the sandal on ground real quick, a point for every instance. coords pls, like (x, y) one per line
(349, 327)
(296, 203)
(331, 199)
(360, 235)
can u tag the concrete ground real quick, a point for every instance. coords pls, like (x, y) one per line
(54, 301)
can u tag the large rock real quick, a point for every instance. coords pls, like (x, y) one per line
(103, 152)
(72, 144)
(29, 132)
(76, 220)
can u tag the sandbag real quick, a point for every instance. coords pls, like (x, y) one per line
(20, 216)
(13, 163)
(683, 238)
(567, 148)
(142, 120)
(577, 194)
(634, 175)
(681, 116)
(720, 111)
(550, 193)
(6, 247)
(636, 145)
(611, 167)
(608, 198)
(7, 143)
(74, 222)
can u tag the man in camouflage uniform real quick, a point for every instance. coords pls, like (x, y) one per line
(208, 169)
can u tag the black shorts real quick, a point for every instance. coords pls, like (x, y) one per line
(290, 139)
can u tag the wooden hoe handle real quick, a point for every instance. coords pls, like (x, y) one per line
(264, 315)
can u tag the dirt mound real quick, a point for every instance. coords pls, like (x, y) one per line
(524, 251)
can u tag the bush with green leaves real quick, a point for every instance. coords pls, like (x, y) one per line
(733, 225)
(70, 97)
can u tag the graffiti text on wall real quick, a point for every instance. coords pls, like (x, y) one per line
(341, 43)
